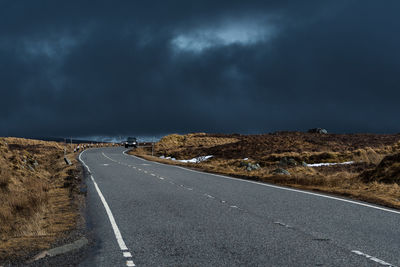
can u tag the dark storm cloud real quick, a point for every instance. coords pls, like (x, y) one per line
(103, 68)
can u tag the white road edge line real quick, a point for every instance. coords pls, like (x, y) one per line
(381, 262)
(114, 225)
(274, 186)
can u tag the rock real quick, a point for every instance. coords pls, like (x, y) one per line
(255, 166)
(35, 163)
(250, 166)
(292, 162)
(243, 164)
(318, 130)
(304, 164)
(281, 171)
(284, 162)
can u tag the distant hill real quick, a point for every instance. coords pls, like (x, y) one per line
(62, 140)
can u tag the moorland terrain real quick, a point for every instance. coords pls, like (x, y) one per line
(360, 166)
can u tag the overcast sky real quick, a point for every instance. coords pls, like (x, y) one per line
(104, 68)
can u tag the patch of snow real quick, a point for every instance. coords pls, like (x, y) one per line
(329, 164)
(193, 160)
(246, 159)
(196, 160)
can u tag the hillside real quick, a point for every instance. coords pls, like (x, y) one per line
(330, 163)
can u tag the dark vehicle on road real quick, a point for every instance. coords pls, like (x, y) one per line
(131, 142)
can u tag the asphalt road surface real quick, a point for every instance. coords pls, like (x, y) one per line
(149, 214)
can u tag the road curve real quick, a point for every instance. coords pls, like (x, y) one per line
(149, 214)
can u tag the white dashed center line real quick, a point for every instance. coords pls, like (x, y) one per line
(127, 255)
(171, 182)
(372, 258)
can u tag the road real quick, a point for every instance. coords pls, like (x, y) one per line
(149, 214)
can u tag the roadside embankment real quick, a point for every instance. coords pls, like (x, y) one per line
(40, 196)
(332, 163)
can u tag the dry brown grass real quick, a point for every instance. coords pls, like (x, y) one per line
(36, 207)
(387, 171)
(366, 150)
(174, 144)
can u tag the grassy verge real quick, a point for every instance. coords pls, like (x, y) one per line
(290, 151)
(38, 196)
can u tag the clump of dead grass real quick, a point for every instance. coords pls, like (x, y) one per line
(4, 179)
(368, 155)
(388, 171)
